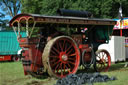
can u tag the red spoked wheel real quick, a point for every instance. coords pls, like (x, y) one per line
(103, 60)
(61, 57)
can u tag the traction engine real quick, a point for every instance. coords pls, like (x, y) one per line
(59, 45)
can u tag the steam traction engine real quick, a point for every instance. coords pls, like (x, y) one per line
(58, 45)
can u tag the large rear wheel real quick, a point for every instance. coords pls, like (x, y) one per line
(61, 57)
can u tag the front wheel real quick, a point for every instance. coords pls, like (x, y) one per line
(103, 60)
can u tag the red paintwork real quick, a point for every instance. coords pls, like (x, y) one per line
(83, 47)
(31, 53)
(5, 58)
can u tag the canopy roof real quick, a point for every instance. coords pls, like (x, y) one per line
(30, 19)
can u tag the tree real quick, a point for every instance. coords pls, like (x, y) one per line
(47, 7)
(3, 22)
(10, 7)
(99, 8)
(31, 6)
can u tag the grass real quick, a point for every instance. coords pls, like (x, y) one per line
(119, 72)
(11, 73)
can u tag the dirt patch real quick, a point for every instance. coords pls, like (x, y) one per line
(34, 82)
(48, 81)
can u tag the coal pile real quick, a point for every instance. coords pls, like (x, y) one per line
(84, 78)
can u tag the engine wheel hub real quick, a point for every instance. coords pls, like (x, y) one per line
(64, 57)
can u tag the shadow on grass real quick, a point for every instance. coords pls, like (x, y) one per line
(9, 61)
(85, 70)
(114, 67)
(118, 66)
(6, 61)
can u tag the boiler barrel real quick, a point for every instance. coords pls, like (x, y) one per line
(74, 13)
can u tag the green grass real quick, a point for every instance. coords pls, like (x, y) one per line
(11, 73)
(119, 72)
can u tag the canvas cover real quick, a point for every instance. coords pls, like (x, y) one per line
(8, 42)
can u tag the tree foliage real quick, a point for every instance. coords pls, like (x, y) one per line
(3, 22)
(10, 7)
(99, 8)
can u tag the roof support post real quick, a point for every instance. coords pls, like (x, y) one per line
(27, 32)
(32, 29)
(18, 29)
(14, 28)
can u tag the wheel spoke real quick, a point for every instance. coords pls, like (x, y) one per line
(71, 62)
(64, 45)
(106, 59)
(56, 50)
(69, 48)
(68, 65)
(99, 57)
(102, 53)
(74, 54)
(54, 56)
(55, 63)
(54, 60)
(99, 62)
(64, 68)
(105, 65)
(103, 56)
(61, 47)
(67, 68)
(61, 69)
(71, 59)
(70, 51)
(53, 52)
(57, 67)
